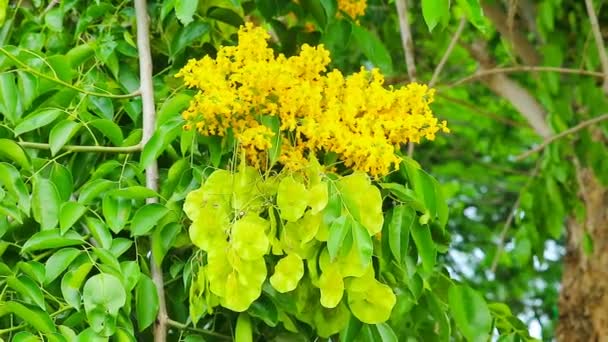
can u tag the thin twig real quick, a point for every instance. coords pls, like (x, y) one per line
(500, 246)
(183, 326)
(406, 38)
(448, 51)
(408, 50)
(599, 42)
(49, 7)
(560, 135)
(487, 72)
(149, 122)
(83, 148)
(29, 69)
(481, 112)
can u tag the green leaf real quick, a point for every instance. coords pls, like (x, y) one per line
(103, 295)
(188, 35)
(27, 288)
(28, 88)
(273, 123)
(9, 104)
(363, 241)
(94, 189)
(45, 203)
(315, 8)
(225, 15)
(35, 317)
(59, 262)
(146, 302)
(373, 49)
(120, 245)
(136, 192)
(69, 214)
(185, 10)
(160, 140)
(80, 54)
(131, 273)
(109, 129)
(402, 220)
(173, 107)
(146, 218)
(102, 107)
(337, 233)
(163, 239)
(71, 283)
(99, 231)
(37, 120)
(54, 19)
(386, 333)
(50, 239)
(470, 312)
(61, 133)
(243, 331)
(33, 269)
(12, 181)
(264, 309)
(424, 244)
(116, 211)
(434, 11)
(10, 150)
(352, 330)
(108, 259)
(61, 176)
(474, 13)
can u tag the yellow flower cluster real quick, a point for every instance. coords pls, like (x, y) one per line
(355, 117)
(354, 8)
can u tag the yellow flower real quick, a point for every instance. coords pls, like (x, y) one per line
(318, 110)
(354, 8)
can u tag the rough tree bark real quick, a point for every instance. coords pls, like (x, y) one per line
(583, 302)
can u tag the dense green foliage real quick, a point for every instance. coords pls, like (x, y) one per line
(77, 238)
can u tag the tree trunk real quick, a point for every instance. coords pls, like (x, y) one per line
(583, 302)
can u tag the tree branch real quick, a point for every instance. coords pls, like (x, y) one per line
(560, 135)
(406, 39)
(408, 50)
(500, 246)
(448, 51)
(520, 43)
(487, 72)
(512, 91)
(82, 148)
(183, 326)
(599, 42)
(478, 111)
(149, 123)
(29, 69)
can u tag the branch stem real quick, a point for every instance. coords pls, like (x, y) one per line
(149, 123)
(183, 326)
(83, 148)
(599, 42)
(448, 51)
(488, 72)
(33, 71)
(560, 135)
